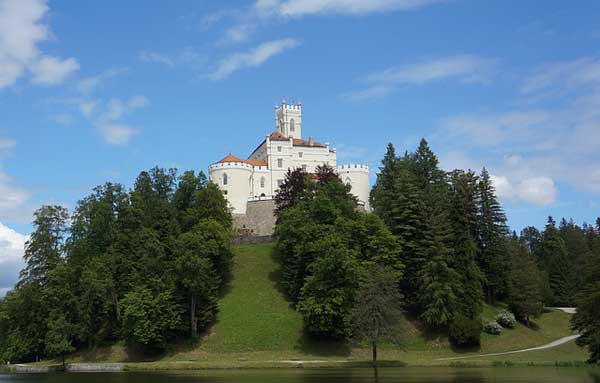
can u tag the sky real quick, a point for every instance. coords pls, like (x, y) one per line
(96, 91)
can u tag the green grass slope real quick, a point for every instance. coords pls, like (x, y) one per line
(257, 327)
(254, 315)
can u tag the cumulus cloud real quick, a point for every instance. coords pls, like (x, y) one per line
(463, 68)
(22, 29)
(11, 257)
(253, 58)
(540, 191)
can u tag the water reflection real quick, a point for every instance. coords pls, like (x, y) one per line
(353, 375)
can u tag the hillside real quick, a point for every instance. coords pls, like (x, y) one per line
(257, 326)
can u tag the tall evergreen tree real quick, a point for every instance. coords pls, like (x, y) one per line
(492, 232)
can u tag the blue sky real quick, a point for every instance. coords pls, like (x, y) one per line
(97, 91)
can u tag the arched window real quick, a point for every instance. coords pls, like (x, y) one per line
(292, 125)
(262, 182)
(348, 181)
(225, 179)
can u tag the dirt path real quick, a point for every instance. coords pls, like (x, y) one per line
(555, 343)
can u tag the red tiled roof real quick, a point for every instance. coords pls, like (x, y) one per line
(232, 158)
(276, 136)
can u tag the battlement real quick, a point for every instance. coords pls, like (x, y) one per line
(235, 165)
(353, 168)
(293, 106)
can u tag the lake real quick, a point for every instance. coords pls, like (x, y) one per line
(387, 375)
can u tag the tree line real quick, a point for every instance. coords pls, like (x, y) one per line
(143, 266)
(442, 237)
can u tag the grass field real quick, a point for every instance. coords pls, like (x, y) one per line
(257, 327)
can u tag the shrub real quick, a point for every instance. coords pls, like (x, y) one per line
(492, 327)
(506, 319)
(465, 331)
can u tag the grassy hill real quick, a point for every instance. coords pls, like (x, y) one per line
(257, 326)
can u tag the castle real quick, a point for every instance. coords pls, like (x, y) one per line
(250, 184)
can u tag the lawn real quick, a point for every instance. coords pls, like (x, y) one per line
(258, 327)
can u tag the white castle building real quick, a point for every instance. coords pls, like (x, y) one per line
(257, 178)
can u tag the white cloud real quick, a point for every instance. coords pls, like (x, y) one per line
(22, 28)
(50, 70)
(117, 134)
(107, 116)
(11, 257)
(155, 57)
(90, 84)
(7, 143)
(540, 191)
(464, 68)
(297, 8)
(252, 58)
(583, 72)
(12, 199)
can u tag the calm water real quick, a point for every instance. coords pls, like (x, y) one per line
(405, 375)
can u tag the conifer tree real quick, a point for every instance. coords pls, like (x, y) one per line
(524, 284)
(492, 232)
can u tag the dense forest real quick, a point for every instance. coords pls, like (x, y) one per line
(143, 266)
(146, 266)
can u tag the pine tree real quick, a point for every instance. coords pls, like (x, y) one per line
(555, 261)
(524, 284)
(492, 232)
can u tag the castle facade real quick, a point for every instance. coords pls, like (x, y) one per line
(249, 181)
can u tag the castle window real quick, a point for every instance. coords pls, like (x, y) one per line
(300, 154)
(292, 125)
(348, 181)
(279, 162)
(262, 182)
(279, 183)
(304, 168)
(225, 179)
(279, 148)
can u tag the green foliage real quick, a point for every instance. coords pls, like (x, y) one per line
(524, 284)
(492, 327)
(465, 331)
(506, 319)
(133, 266)
(323, 243)
(149, 319)
(377, 310)
(327, 297)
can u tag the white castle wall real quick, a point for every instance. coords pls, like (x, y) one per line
(239, 183)
(357, 175)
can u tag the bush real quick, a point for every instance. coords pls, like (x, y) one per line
(465, 331)
(492, 327)
(506, 319)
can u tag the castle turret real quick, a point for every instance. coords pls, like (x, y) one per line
(288, 119)
(357, 176)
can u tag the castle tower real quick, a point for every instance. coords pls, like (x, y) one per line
(288, 119)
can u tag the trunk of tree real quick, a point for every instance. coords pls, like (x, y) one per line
(527, 320)
(374, 344)
(115, 302)
(63, 362)
(193, 320)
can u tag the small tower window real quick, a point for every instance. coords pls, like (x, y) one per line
(225, 179)
(262, 182)
(279, 148)
(279, 162)
(348, 181)
(292, 125)
(304, 168)
(300, 154)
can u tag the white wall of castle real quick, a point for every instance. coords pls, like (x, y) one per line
(242, 182)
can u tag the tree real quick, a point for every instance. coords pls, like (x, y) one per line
(586, 320)
(327, 297)
(149, 319)
(492, 232)
(524, 284)
(377, 310)
(45, 248)
(294, 189)
(556, 263)
(58, 338)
